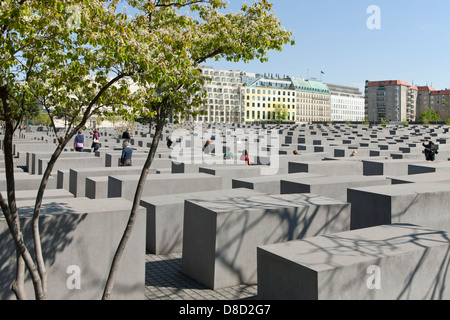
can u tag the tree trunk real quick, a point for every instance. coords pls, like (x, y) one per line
(133, 214)
(36, 233)
(9, 207)
(18, 286)
(40, 195)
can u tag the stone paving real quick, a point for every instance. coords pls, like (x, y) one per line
(164, 280)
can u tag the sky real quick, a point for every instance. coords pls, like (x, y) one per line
(333, 37)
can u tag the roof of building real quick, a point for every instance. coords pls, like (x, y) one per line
(440, 92)
(389, 83)
(343, 89)
(426, 88)
(310, 86)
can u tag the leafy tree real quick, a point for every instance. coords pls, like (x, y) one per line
(280, 113)
(70, 57)
(78, 65)
(428, 116)
(172, 85)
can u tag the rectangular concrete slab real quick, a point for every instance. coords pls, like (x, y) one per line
(328, 167)
(77, 176)
(79, 239)
(228, 172)
(156, 185)
(389, 262)
(387, 167)
(331, 186)
(423, 177)
(165, 216)
(220, 237)
(270, 184)
(424, 204)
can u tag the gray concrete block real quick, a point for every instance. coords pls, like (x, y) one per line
(269, 184)
(228, 172)
(424, 177)
(220, 238)
(328, 167)
(427, 167)
(389, 262)
(387, 167)
(77, 176)
(330, 186)
(81, 235)
(96, 187)
(156, 185)
(24, 181)
(424, 204)
(48, 194)
(70, 163)
(165, 216)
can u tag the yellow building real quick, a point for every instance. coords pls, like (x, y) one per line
(263, 95)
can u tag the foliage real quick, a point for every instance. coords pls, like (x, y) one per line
(280, 113)
(81, 58)
(428, 116)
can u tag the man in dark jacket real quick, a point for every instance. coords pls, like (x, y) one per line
(430, 150)
(126, 134)
(127, 152)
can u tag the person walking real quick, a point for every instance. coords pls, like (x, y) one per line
(78, 143)
(127, 153)
(95, 140)
(169, 142)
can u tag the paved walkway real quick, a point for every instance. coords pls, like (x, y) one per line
(164, 280)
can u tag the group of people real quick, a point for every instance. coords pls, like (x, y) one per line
(228, 155)
(79, 141)
(127, 151)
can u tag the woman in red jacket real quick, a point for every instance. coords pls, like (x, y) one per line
(245, 157)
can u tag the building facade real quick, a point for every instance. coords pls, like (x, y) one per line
(399, 101)
(263, 95)
(241, 97)
(393, 101)
(313, 101)
(347, 103)
(224, 102)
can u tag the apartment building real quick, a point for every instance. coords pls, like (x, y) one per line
(224, 102)
(393, 101)
(313, 101)
(262, 95)
(397, 100)
(347, 103)
(437, 100)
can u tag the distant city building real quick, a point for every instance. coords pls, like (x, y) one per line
(396, 100)
(313, 103)
(393, 101)
(347, 103)
(225, 103)
(262, 96)
(437, 100)
(243, 97)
